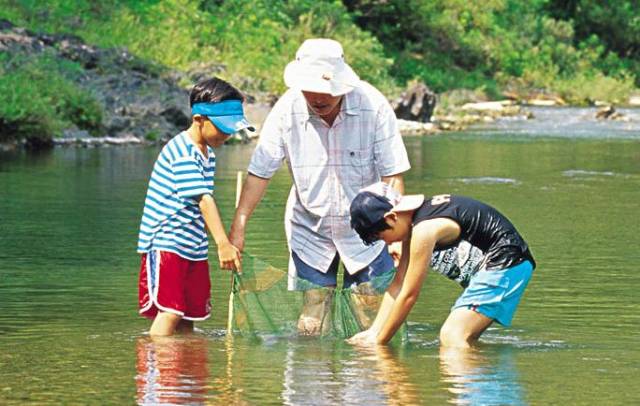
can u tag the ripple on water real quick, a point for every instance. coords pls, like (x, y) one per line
(488, 180)
(423, 336)
(582, 173)
(517, 342)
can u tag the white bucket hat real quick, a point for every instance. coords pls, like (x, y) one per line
(320, 67)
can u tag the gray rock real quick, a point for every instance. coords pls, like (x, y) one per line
(137, 97)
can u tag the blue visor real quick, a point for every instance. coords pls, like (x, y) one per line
(227, 116)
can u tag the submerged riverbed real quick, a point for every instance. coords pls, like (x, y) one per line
(70, 333)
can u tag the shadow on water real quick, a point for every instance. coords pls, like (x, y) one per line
(302, 371)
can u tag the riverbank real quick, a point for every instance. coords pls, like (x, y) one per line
(106, 96)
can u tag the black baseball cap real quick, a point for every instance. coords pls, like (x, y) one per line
(372, 203)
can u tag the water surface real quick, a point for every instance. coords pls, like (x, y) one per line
(70, 334)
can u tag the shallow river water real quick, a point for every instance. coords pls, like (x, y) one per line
(70, 334)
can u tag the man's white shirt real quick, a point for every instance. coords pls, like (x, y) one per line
(329, 165)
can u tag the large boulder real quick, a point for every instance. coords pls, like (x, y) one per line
(416, 103)
(610, 113)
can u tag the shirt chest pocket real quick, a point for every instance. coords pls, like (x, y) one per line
(358, 166)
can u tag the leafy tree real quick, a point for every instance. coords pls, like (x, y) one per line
(615, 23)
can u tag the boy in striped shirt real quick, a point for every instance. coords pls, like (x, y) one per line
(174, 286)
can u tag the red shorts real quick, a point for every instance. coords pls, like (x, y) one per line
(170, 283)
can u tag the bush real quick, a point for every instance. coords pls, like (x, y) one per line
(548, 45)
(37, 100)
(589, 87)
(253, 40)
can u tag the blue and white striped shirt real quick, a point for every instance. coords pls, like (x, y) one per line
(171, 220)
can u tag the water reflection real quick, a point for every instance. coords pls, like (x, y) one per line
(172, 370)
(317, 375)
(473, 377)
(393, 375)
(227, 392)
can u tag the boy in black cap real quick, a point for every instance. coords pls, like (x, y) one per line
(427, 227)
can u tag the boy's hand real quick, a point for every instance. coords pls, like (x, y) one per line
(230, 257)
(367, 337)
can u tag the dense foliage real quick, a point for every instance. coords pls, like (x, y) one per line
(580, 50)
(517, 45)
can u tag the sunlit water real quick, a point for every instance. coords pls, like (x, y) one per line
(70, 334)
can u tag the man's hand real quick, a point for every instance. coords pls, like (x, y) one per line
(395, 250)
(230, 257)
(366, 337)
(236, 237)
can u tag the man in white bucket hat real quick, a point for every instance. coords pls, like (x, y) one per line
(338, 134)
(320, 67)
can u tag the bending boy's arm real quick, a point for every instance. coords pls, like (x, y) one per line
(228, 255)
(423, 241)
(252, 192)
(392, 291)
(421, 247)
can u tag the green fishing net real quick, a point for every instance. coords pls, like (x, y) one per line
(264, 306)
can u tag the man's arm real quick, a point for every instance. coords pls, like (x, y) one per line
(252, 193)
(396, 182)
(228, 255)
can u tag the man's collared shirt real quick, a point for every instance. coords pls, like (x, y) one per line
(329, 165)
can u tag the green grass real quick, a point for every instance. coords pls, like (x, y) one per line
(37, 100)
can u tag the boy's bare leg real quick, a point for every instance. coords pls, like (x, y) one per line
(185, 327)
(462, 328)
(164, 324)
(317, 304)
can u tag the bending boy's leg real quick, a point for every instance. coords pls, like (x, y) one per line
(490, 296)
(463, 327)
(164, 324)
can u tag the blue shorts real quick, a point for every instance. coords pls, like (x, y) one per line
(496, 294)
(381, 270)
